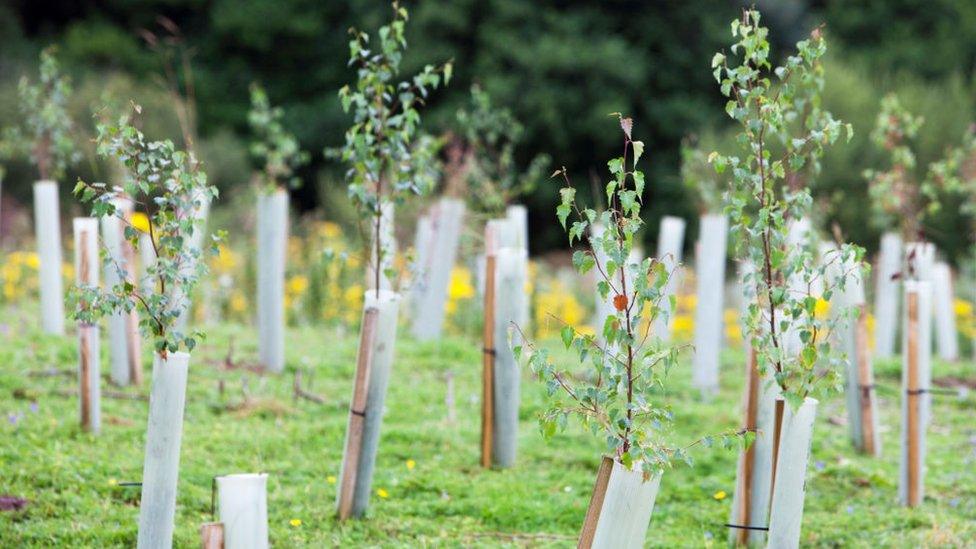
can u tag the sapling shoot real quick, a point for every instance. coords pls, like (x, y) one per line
(275, 149)
(789, 339)
(46, 134)
(387, 161)
(955, 174)
(484, 154)
(699, 177)
(617, 401)
(165, 178)
(897, 197)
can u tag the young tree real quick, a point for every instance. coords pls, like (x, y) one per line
(699, 177)
(387, 161)
(278, 154)
(275, 149)
(46, 132)
(897, 197)
(617, 401)
(164, 179)
(790, 341)
(483, 156)
(173, 183)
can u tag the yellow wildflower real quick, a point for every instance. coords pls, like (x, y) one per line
(558, 301)
(329, 229)
(683, 327)
(225, 261)
(352, 297)
(720, 495)
(411, 464)
(331, 479)
(733, 330)
(295, 522)
(140, 222)
(237, 302)
(869, 323)
(459, 288)
(382, 493)
(822, 308)
(686, 302)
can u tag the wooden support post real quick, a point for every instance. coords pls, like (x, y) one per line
(750, 424)
(85, 374)
(916, 379)
(777, 432)
(133, 341)
(913, 396)
(865, 379)
(357, 414)
(596, 504)
(212, 535)
(488, 352)
(86, 273)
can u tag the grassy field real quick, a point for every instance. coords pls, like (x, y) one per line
(433, 492)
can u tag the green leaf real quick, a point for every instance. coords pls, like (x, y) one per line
(567, 334)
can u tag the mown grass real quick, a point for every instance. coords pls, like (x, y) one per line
(72, 478)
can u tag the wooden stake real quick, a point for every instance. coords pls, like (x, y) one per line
(488, 354)
(865, 380)
(84, 275)
(914, 400)
(86, 416)
(212, 535)
(596, 504)
(750, 424)
(777, 430)
(133, 342)
(357, 413)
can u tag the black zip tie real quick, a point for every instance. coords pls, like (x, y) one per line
(741, 527)
(914, 392)
(130, 484)
(359, 413)
(488, 351)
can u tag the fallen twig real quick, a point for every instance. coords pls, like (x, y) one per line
(298, 392)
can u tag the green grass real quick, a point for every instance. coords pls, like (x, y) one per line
(446, 500)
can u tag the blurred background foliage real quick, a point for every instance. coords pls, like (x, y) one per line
(560, 66)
